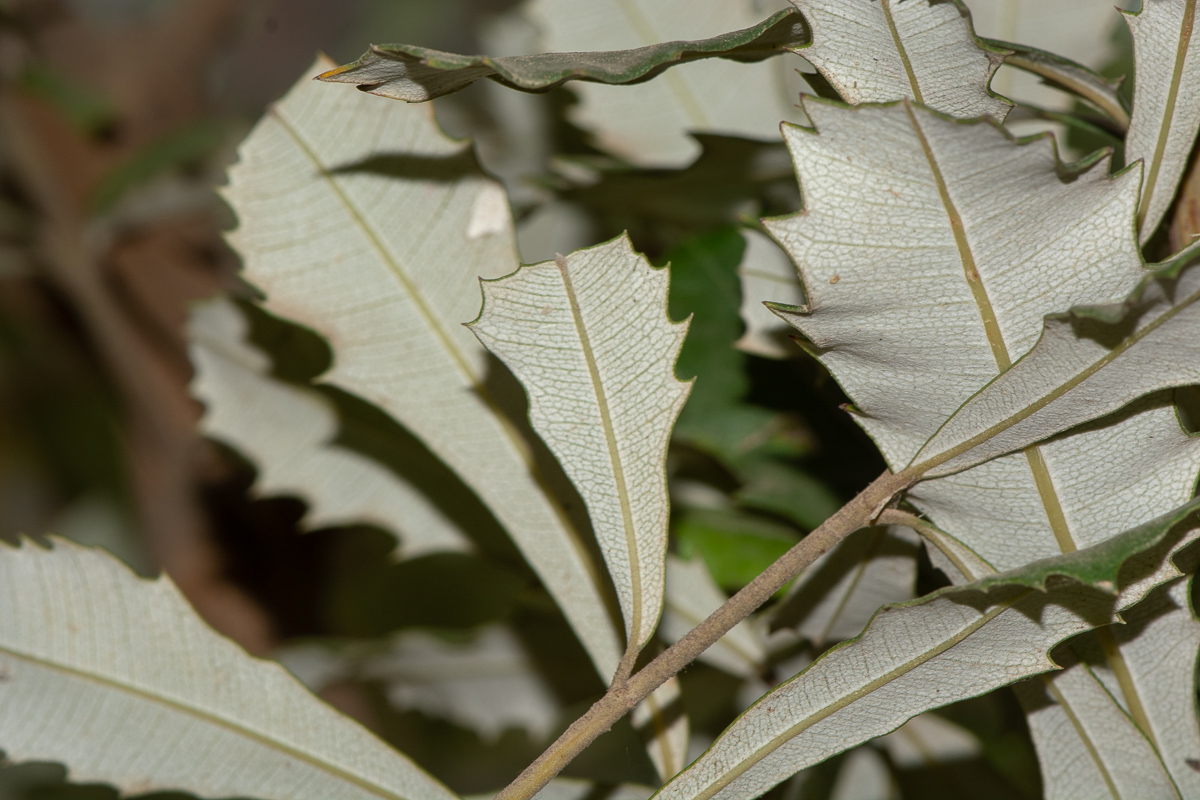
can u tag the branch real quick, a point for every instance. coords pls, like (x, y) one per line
(624, 695)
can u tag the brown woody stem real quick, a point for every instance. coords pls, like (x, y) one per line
(625, 694)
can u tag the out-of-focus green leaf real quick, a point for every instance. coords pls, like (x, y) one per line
(704, 284)
(735, 547)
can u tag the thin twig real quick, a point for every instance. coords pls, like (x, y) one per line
(623, 696)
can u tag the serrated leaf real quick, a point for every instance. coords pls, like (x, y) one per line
(590, 339)
(954, 296)
(1166, 106)
(416, 74)
(692, 595)
(962, 640)
(648, 124)
(118, 678)
(839, 593)
(1082, 368)
(287, 431)
(1090, 743)
(362, 221)
(924, 50)
(663, 725)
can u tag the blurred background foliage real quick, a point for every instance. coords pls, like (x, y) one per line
(117, 118)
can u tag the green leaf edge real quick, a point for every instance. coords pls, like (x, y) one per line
(414, 66)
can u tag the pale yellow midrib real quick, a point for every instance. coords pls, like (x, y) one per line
(886, 7)
(1043, 481)
(516, 442)
(614, 456)
(206, 716)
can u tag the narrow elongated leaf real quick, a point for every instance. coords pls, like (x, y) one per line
(118, 678)
(1082, 368)
(962, 640)
(589, 338)
(648, 124)
(1166, 106)
(416, 74)
(924, 50)
(287, 432)
(361, 220)
(1090, 742)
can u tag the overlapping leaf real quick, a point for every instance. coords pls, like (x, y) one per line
(416, 74)
(117, 677)
(288, 432)
(361, 220)
(920, 49)
(1166, 108)
(648, 124)
(1090, 741)
(589, 338)
(961, 641)
(916, 256)
(1082, 368)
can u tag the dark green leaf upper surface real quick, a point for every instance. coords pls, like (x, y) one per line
(416, 74)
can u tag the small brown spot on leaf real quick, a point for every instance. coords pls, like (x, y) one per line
(835, 279)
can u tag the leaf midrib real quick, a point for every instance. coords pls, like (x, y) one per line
(886, 7)
(614, 454)
(240, 729)
(515, 441)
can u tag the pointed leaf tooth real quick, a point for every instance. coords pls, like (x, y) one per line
(361, 220)
(924, 50)
(118, 678)
(589, 338)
